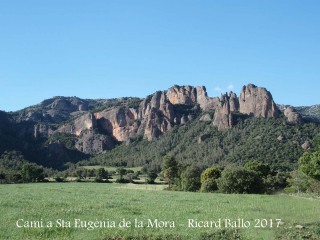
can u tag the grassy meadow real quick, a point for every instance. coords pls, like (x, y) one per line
(45, 202)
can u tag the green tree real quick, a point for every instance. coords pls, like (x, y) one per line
(237, 180)
(265, 182)
(209, 178)
(121, 171)
(2, 177)
(210, 185)
(32, 173)
(91, 172)
(79, 173)
(213, 172)
(170, 169)
(101, 174)
(300, 182)
(190, 179)
(151, 177)
(260, 168)
(309, 164)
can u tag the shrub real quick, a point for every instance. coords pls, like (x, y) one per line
(123, 180)
(213, 172)
(59, 179)
(151, 177)
(98, 180)
(209, 179)
(190, 179)
(238, 180)
(209, 185)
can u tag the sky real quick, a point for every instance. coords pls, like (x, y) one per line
(108, 49)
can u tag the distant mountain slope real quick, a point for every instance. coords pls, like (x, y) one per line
(311, 113)
(58, 109)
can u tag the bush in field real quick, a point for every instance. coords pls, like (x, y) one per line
(237, 180)
(123, 180)
(310, 164)
(121, 171)
(302, 183)
(2, 177)
(209, 179)
(58, 179)
(209, 185)
(307, 177)
(101, 174)
(263, 180)
(151, 177)
(213, 172)
(136, 175)
(190, 179)
(31, 172)
(79, 173)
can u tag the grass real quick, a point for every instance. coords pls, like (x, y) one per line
(114, 202)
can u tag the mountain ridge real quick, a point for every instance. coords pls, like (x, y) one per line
(62, 127)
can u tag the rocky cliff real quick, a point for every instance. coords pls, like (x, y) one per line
(254, 101)
(258, 102)
(98, 125)
(224, 108)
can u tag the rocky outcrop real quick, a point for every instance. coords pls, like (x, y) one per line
(258, 102)
(185, 95)
(233, 102)
(253, 100)
(156, 113)
(188, 95)
(121, 123)
(306, 145)
(281, 138)
(292, 116)
(79, 125)
(91, 142)
(206, 118)
(71, 104)
(204, 101)
(223, 114)
(42, 130)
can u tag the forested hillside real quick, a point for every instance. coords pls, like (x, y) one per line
(271, 141)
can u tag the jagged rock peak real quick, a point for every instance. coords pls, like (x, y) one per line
(257, 101)
(186, 95)
(189, 95)
(223, 111)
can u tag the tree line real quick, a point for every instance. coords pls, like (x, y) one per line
(253, 177)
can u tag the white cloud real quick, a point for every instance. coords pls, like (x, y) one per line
(230, 87)
(218, 89)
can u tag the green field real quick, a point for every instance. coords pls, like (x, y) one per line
(45, 202)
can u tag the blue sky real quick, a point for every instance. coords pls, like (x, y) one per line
(108, 49)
